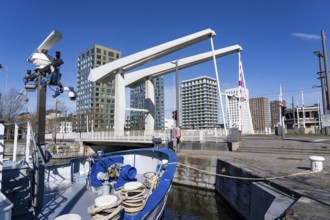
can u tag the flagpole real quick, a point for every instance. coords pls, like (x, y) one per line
(298, 123)
(239, 93)
(303, 109)
(280, 99)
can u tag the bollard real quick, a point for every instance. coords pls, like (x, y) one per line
(316, 163)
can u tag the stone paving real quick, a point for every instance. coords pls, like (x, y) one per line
(313, 189)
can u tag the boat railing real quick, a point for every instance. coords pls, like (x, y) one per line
(35, 162)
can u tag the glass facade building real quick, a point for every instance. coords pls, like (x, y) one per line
(95, 101)
(138, 101)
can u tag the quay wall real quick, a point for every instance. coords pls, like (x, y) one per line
(250, 199)
(190, 177)
(58, 151)
(220, 146)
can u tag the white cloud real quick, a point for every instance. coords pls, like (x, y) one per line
(306, 36)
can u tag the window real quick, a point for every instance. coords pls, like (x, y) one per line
(98, 50)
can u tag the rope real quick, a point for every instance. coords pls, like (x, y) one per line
(133, 200)
(106, 212)
(245, 178)
(151, 177)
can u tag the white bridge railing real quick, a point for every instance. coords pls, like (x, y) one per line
(211, 135)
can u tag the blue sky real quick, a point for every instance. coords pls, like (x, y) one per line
(278, 39)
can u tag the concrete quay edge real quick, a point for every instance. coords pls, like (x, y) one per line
(314, 188)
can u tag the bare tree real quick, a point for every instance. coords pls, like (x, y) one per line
(61, 107)
(11, 105)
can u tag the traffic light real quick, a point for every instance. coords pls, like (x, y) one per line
(283, 109)
(174, 115)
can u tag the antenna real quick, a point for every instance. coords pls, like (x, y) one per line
(53, 38)
(39, 57)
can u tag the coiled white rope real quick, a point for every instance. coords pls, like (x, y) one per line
(106, 212)
(244, 178)
(133, 199)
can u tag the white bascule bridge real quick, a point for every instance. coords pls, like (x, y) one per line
(118, 70)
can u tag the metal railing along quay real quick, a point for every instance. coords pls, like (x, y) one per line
(210, 135)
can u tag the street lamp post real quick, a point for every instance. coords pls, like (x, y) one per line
(322, 78)
(177, 94)
(6, 67)
(177, 105)
(325, 60)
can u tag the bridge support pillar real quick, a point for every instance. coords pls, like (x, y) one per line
(150, 106)
(119, 117)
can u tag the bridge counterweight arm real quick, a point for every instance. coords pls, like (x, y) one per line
(135, 78)
(105, 73)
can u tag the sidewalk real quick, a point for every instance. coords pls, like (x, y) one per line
(312, 189)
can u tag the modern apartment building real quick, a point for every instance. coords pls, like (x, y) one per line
(259, 108)
(275, 112)
(95, 101)
(236, 118)
(199, 101)
(138, 101)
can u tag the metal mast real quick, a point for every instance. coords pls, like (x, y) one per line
(325, 58)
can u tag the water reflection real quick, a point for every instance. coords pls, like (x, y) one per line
(191, 203)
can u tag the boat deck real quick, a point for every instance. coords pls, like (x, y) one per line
(63, 197)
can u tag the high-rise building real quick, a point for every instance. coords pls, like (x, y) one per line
(275, 113)
(199, 103)
(138, 101)
(239, 116)
(95, 101)
(260, 113)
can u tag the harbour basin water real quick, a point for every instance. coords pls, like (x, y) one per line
(188, 203)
